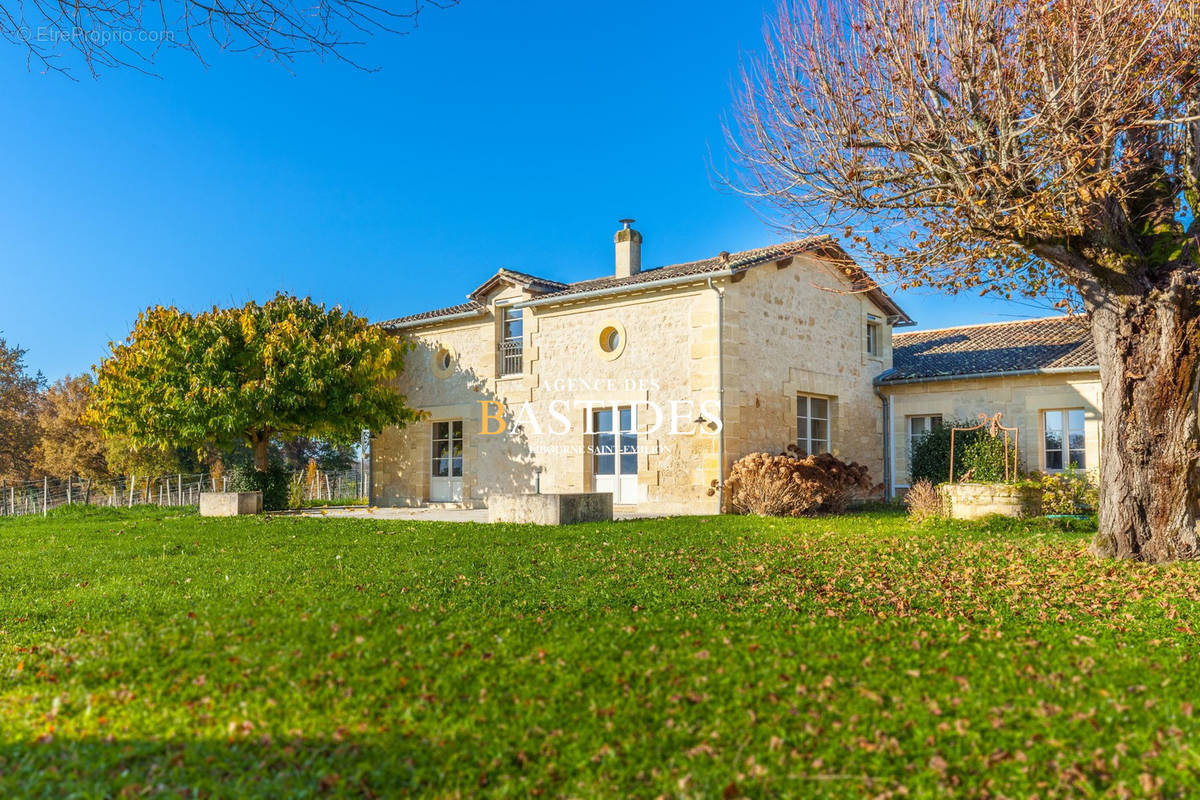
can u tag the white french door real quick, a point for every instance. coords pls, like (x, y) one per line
(614, 454)
(446, 467)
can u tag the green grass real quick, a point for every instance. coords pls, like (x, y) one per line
(152, 652)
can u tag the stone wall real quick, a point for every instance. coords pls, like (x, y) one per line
(980, 500)
(795, 330)
(662, 359)
(550, 509)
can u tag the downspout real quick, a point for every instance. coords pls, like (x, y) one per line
(720, 394)
(889, 483)
(370, 470)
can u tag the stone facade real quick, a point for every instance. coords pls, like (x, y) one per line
(1021, 399)
(794, 331)
(736, 348)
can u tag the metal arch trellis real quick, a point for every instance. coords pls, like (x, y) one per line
(995, 430)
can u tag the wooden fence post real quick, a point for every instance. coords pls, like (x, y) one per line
(45, 494)
(179, 488)
(132, 484)
(69, 481)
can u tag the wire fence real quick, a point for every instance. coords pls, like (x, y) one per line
(333, 487)
(39, 497)
(181, 489)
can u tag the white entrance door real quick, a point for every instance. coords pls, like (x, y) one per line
(614, 454)
(445, 477)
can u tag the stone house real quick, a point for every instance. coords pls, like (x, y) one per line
(647, 384)
(1040, 374)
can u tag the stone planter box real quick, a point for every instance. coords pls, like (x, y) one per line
(979, 500)
(550, 509)
(230, 504)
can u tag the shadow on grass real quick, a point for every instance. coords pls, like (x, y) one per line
(242, 767)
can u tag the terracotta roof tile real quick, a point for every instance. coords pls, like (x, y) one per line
(461, 308)
(550, 289)
(746, 258)
(1052, 343)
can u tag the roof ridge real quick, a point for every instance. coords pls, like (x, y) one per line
(537, 278)
(732, 257)
(1055, 318)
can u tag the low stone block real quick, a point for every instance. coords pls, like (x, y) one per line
(550, 509)
(979, 500)
(230, 504)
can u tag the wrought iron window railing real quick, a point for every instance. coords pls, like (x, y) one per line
(512, 360)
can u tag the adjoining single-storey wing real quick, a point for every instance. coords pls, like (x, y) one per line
(1041, 374)
(645, 383)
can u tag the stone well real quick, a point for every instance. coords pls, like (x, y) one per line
(979, 500)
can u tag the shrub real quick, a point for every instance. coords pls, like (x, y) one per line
(296, 490)
(1068, 492)
(923, 501)
(976, 454)
(273, 483)
(929, 459)
(983, 459)
(787, 485)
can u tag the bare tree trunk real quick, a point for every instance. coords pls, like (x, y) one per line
(261, 459)
(1148, 351)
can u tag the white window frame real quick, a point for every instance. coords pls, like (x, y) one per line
(510, 349)
(1065, 445)
(929, 421)
(874, 336)
(804, 426)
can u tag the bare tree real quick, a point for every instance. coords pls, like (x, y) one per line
(1018, 146)
(131, 33)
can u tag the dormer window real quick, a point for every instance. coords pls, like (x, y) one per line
(874, 332)
(511, 342)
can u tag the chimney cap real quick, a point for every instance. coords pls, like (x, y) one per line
(627, 221)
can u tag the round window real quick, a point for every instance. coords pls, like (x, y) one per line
(443, 362)
(610, 339)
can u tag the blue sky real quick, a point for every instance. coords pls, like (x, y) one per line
(493, 136)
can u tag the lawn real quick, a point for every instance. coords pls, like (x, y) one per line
(152, 652)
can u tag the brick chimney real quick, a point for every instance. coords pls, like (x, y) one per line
(629, 250)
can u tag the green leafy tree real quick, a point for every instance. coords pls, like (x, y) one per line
(285, 368)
